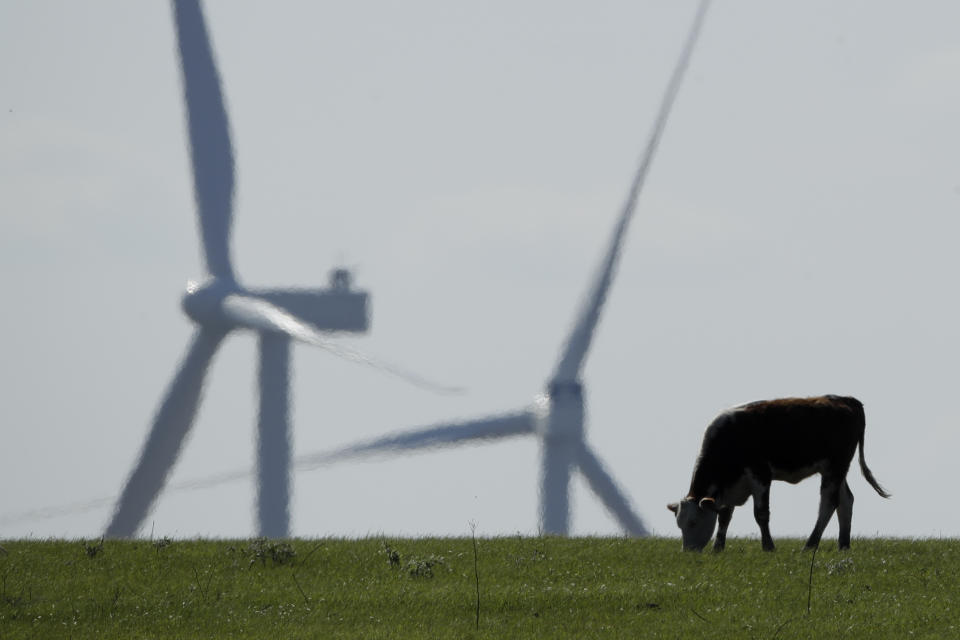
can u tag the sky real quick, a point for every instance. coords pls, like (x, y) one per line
(796, 236)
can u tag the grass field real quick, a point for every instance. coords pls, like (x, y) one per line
(428, 588)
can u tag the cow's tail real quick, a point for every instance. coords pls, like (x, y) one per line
(863, 463)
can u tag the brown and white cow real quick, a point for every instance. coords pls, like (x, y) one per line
(747, 447)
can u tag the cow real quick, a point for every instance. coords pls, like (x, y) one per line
(789, 439)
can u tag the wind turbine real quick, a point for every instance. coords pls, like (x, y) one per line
(557, 415)
(221, 304)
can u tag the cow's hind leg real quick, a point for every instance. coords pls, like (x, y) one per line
(830, 489)
(723, 521)
(844, 515)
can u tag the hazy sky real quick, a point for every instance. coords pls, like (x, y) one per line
(797, 236)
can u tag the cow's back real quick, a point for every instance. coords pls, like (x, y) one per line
(800, 432)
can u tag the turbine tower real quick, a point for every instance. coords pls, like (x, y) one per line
(221, 304)
(557, 415)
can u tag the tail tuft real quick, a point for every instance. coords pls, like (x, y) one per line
(869, 474)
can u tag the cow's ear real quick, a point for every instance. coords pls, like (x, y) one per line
(674, 506)
(708, 504)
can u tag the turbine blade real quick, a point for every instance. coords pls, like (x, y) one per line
(503, 426)
(606, 489)
(211, 152)
(492, 428)
(45, 513)
(170, 427)
(256, 313)
(578, 344)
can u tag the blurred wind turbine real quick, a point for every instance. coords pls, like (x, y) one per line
(220, 305)
(557, 416)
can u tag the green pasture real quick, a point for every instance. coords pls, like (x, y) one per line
(525, 587)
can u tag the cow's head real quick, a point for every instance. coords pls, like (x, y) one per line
(697, 520)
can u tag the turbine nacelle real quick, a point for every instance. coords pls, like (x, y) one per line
(337, 308)
(563, 418)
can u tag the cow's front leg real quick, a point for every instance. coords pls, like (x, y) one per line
(829, 499)
(723, 521)
(761, 510)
